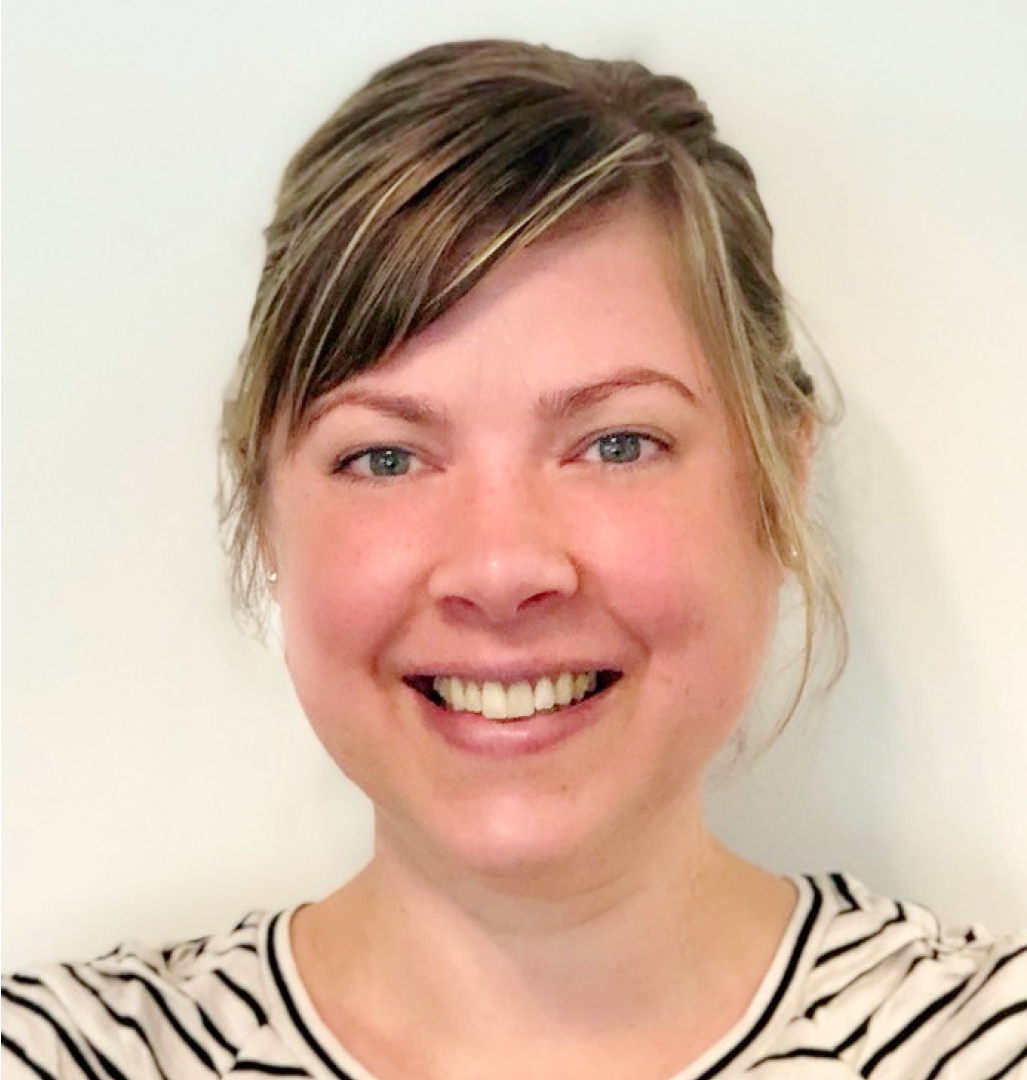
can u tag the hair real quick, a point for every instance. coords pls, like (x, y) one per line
(447, 162)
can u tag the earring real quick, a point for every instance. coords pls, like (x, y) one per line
(272, 577)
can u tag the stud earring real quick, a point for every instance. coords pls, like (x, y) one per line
(272, 577)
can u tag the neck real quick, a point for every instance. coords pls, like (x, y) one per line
(682, 929)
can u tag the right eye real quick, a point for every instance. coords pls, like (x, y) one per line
(377, 462)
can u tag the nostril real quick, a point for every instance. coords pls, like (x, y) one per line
(538, 598)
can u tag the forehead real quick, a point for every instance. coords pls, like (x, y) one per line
(600, 296)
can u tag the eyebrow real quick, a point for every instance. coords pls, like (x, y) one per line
(562, 404)
(407, 407)
(553, 405)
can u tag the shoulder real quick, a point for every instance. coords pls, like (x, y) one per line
(183, 1010)
(888, 987)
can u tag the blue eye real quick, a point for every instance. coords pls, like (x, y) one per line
(619, 447)
(624, 448)
(378, 462)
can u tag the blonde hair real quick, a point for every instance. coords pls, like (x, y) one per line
(450, 160)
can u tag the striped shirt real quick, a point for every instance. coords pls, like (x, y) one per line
(861, 986)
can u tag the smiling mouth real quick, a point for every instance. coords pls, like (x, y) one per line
(513, 701)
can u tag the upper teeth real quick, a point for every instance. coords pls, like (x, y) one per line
(496, 701)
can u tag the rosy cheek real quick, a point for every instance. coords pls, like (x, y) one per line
(647, 558)
(687, 574)
(347, 579)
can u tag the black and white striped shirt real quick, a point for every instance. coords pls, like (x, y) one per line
(861, 986)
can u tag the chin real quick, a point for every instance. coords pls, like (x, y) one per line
(525, 842)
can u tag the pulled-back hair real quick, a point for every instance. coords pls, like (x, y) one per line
(447, 162)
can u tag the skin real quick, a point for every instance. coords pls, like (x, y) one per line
(568, 901)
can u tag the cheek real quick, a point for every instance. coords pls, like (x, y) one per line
(667, 555)
(344, 592)
(344, 584)
(689, 577)
(646, 565)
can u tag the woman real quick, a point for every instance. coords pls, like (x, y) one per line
(518, 451)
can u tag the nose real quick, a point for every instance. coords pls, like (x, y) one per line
(505, 554)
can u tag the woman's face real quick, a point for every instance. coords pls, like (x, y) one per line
(540, 489)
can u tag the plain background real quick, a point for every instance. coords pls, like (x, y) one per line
(158, 778)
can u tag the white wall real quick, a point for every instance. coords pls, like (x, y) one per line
(158, 777)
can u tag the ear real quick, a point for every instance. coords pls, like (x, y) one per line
(804, 444)
(267, 559)
(271, 579)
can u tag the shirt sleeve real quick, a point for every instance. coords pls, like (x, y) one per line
(40, 1039)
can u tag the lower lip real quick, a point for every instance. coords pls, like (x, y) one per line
(474, 734)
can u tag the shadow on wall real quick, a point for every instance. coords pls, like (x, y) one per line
(884, 778)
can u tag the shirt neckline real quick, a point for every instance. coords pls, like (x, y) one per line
(294, 1016)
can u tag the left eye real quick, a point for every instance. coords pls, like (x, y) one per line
(621, 448)
(377, 461)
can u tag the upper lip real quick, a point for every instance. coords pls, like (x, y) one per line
(509, 674)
